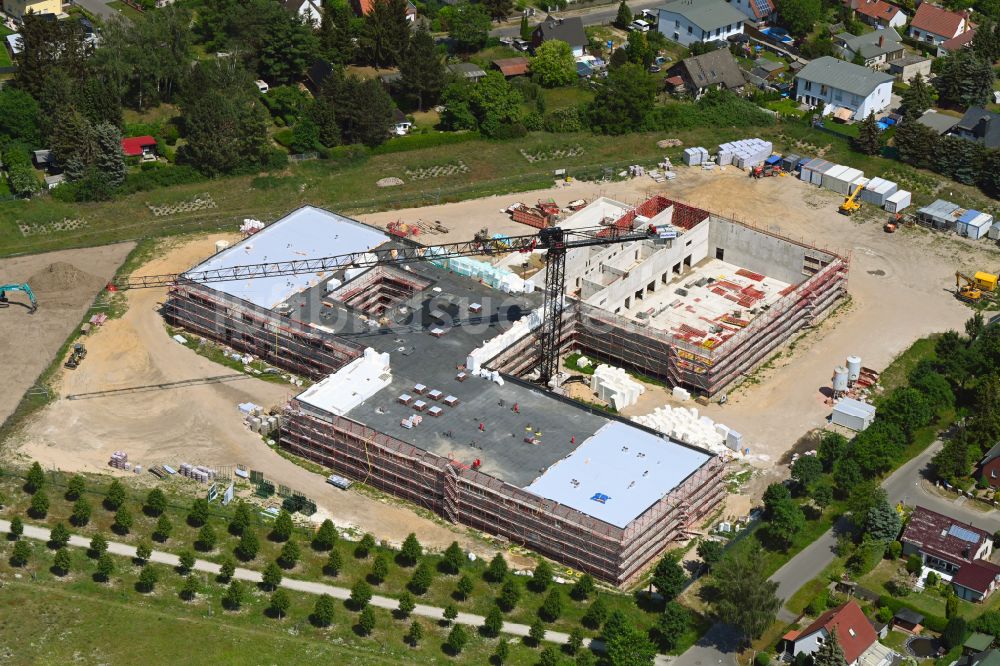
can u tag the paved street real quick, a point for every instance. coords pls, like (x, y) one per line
(98, 8)
(598, 15)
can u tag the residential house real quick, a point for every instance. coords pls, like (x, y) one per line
(848, 90)
(686, 22)
(974, 582)
(877, 13)
(511, 67)
(467, 71)
(934, 25)
(767, 69)
(310, 11)
(981, 126)
(989, 466)
(944, 543)
(140, 146)
(365, 7)
(963, 41)
(939, 122)
(908, 620)
(758, 12)
(18, 8)
(853, 630)
(14, 43)
(877, 48)
(569, 30)
(908, 66)
(717, 69)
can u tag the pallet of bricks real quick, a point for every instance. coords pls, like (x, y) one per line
(197, 472)
(119, 460)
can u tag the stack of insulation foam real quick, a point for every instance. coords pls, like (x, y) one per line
(685, 425)
(615, 387)
(745, 153)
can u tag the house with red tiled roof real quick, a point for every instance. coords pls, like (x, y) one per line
(854, 632)
(944, 543)
(365, 7)
(963, 41)
(976, 581)
(759, 12)
(139, 146)
(877, 13)
(934, 25)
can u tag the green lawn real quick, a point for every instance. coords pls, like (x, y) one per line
(558, 98)
(75, 619)
(5, 59)
(127, 11)
(310, 567)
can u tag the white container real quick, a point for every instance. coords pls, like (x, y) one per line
(994, 232)
(853, 368)
(897, 201)
(877, 191)
(840, 379)
(221, 245)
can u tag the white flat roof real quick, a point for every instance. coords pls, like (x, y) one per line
(307, 233)
(854, 408)
(618, 473)
(350, 386)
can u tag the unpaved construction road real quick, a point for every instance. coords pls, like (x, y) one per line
(65, 284)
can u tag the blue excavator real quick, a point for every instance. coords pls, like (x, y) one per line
(5, 302)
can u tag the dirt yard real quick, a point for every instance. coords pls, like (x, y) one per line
(199, 424)
(65, 284)
(900, 286)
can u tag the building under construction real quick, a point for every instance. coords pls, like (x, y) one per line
(422, 387)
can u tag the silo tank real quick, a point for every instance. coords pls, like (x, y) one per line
(853, 368)
(839, 379)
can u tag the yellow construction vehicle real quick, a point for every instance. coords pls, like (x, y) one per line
(850, 205)
(969, 291)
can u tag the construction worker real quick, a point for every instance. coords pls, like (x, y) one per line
(482, 427)
(516, 410)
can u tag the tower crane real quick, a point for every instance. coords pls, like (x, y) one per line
(554, 241)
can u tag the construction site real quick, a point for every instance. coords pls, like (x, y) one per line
(432, 374)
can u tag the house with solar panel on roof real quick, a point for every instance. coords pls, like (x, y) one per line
(959, 551)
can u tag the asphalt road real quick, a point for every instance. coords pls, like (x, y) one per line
(904, 485)
(98, 8)
(598, 15)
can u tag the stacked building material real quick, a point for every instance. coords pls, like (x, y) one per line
(745, 153)
(686, 425)
(615, 387)
(695, 156)
(197, 472)
(119, 460)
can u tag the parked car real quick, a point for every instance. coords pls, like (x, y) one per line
(653, 69)
(520, 45)
(638, 26)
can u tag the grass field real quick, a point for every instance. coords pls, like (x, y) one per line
(311, 564)
(75, 619)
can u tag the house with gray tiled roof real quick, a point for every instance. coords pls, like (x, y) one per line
(877, 48)
(690, 21)
(843, 89)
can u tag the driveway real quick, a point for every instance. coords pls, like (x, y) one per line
(98, 8)
(599, 15)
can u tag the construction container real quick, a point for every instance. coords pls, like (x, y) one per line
(994, 232)
(973, 224)
(841, 179)
(790, 162)
(941, 214)
(877, 191)
(833, 172)
(852, 414)
(897, 201)
(813, 170)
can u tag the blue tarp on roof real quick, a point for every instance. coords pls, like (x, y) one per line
(970, 216)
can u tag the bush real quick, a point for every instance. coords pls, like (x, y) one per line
(154, 175)
(510, 131)
(563, 120)
(284, 138)
(418, 141)
(762, 659)
(914, 563)
(894, 550)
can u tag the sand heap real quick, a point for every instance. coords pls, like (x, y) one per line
(60, 276)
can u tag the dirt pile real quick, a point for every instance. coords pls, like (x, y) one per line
(62, 276)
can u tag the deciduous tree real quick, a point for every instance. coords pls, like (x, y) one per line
(39, 506)
(497, 569)
(271, 576)
(668, 577)
(206, 538)
(453, 558)
(326, 536)
(623, 17)
(469, 27)
(105, 567)
(279, 603)
(62, 561)
(123, 520)
(20, 554)
(77, 484)
(746, 598)
(799, 16)
(622, 101)
(81, 512)
(234, 596)
(421, 579)
(59, 536)
(414, 634)
(147, 579)
(189, 589)
(553, 64)
(323, 611)
(361, 594)
(156, 502)
(198, 515)
(35, 478)
(282, 529)
(163, 528)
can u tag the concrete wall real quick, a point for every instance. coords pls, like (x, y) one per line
(760, 253)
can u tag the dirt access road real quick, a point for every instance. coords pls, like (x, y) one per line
(65, 284)
(199, 424)
(900, 286)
